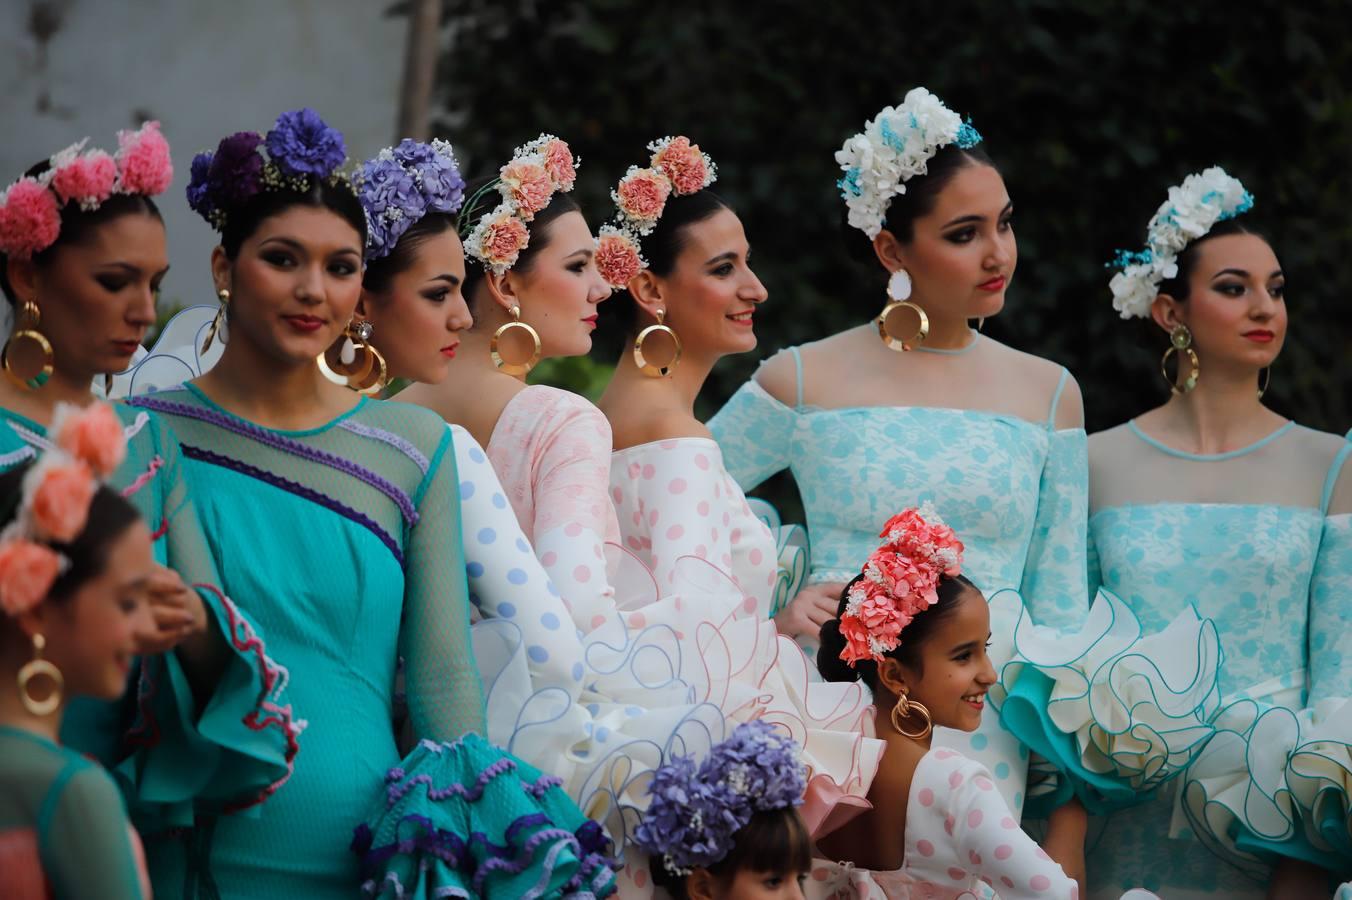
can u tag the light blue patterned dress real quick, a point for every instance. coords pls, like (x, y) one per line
(1014, 491)
(1257, 541)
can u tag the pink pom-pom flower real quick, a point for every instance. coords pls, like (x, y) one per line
(87, 179)
(60, 499)
(528, 186)
(617, 256)
(30, 219)
(143, 161)
(92, 435)
(682, 162)
(641, 196)
(27, 573)
(560, 164)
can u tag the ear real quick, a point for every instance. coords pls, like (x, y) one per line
(646, 290)
(502, 289)
(34, 621)
(893, 677)
(889, 251)
(1168, 313)
(23, 277)
(365, 305)
(699, 885)
(220, 270)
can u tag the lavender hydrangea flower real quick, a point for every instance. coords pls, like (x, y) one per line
(301, 144)
(401, 185)
(236, 172)
(695, 814)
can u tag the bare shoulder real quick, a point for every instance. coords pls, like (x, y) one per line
(656, 425)
(1043, 378)
(780, 374)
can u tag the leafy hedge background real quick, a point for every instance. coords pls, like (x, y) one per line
(1091, 110)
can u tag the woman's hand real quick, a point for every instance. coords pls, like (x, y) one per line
(814, 606)
(176, 613)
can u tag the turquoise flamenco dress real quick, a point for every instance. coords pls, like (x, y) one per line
(346, 539)
(1257, 544)
(1014, 490)
(181, 752)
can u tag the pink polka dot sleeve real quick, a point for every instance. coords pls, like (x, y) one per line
(989, 843)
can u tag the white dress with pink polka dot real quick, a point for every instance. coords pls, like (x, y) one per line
(961, 841)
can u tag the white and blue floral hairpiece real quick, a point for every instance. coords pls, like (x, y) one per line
(895, 146)
(1193, 209)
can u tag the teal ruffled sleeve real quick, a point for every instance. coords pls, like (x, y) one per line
(206, 736)
(465, 819)
(755, 432)
(1055, 575)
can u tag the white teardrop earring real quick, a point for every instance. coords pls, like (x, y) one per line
(899, 285)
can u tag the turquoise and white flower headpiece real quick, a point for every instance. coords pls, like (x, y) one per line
(895, 146)
(1193, 209)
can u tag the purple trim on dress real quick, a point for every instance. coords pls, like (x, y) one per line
(397, 441)
(299, 490)
(286, 445)
(396, 791)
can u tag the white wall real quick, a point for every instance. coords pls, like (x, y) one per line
(204, 69)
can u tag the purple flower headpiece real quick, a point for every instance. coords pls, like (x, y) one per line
(401, 185)
(301, 150)
(695, 814)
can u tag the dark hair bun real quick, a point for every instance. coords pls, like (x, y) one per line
(829, 663)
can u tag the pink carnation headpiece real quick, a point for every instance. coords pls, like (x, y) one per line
(901, 580)
(527, 184)
(30, 208)
(88, 446)
(677, 167)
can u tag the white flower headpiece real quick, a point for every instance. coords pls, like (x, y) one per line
(1193, 209)
(895, 146)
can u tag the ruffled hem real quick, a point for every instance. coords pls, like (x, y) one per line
(793, 551)
(1114, 714)
(233, 755)
(1320, 774)
(466, 820)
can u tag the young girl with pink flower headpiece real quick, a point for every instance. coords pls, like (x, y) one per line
(76, 576)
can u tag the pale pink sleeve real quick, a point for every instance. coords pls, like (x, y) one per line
(574, 518)
(992, 845)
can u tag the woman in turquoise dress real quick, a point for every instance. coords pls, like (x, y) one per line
(991, 436)
(338, 517)
(1215, 501)
(81, 271)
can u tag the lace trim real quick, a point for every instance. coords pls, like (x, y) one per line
(399, 442)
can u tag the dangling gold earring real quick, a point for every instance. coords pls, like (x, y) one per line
(906, 708)
(355, 359)
(898, 294)
(221, 324)
(1265, 379)
(514, 368)
(1180, 341)
(37, 667)
(650, 369)
(26, 329)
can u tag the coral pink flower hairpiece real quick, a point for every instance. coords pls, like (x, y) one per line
(901, 580)
(676, 168)
(89, 445)
(30, 209)
(527, 183)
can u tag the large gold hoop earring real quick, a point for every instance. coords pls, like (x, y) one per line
(1263, 381)
(26, 329)
(906, 708)
(514, 368)
(1180, 341)
(220, 324)
(894, 343)
(38, 667)
(355, 359)
(650, 369)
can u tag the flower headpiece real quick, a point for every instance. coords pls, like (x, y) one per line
(695, 813)
(677, 168)
(301, 150)
(527, 184)
(401, 185)
(30, 209)
(1193, 209)
(901, 580)
(88, 446)
(895, 146)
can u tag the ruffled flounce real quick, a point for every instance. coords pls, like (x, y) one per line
(464, 819)
(1320, 774)
(175, 358)
(227, 753)
(1115, 714)
(792, 551)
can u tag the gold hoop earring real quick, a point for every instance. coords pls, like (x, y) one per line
(650, 369)
(38, 667)
(514, 368)
(220, 324)
(356, 360)
(26, 329)
(892, 342)
(1180, 341)
(1264, 380)
(906, 708)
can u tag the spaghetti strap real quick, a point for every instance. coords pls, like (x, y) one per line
(798, 375)
(1056, 398)
(1331, 479)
